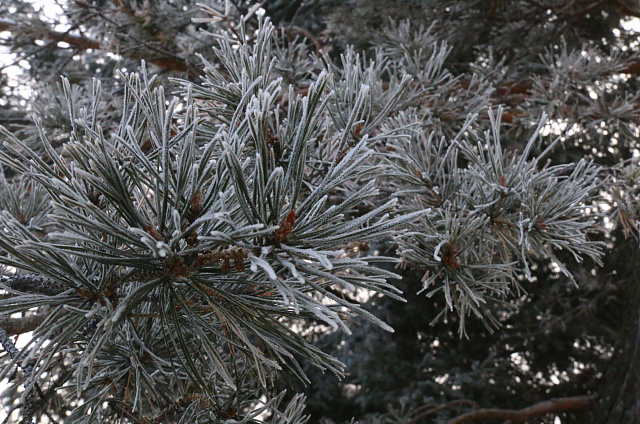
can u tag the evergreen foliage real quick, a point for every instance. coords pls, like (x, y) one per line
(207, 256)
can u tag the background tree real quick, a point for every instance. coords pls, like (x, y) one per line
(179, 259)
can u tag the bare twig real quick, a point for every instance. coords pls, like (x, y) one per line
(73, 40)
(169, 63)
(125, 411)
(307, 35)
(433, 409)
(519, 416)
(23, 324)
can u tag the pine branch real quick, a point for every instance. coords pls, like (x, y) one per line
(23, 324)
(519, 416)
(27, 407)
(125, 411)
(85, 43)
(431, 409)
(73, 40)
(305, 33)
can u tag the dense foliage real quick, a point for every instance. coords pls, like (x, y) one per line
(408, 211)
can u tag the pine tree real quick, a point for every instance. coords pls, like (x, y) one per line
(306, 189)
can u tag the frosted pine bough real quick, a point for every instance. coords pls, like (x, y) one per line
(492, 216)
(174, 254)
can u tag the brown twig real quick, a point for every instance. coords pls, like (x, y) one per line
(169, 63)
(519, 416)
(307, 35)
(433, 409)
(23, 324)
(73, 40)
(627, 10)
(125, 411)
